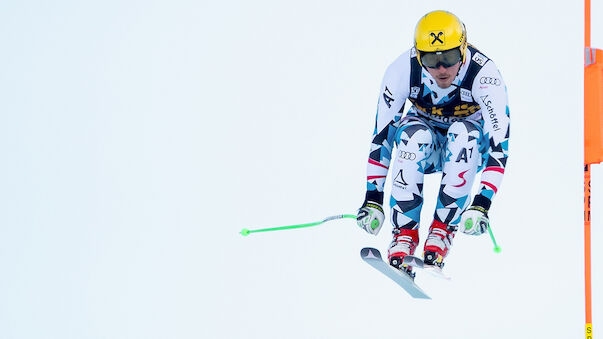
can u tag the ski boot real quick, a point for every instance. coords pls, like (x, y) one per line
(437, 244)
(403, 244)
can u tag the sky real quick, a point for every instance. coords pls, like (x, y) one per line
(139, 137)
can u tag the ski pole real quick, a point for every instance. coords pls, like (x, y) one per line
(497, 248)
(469, 224)
(246, 232)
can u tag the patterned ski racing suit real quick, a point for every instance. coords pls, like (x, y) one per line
(459, 131)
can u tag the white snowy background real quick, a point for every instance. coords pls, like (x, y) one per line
(139, 137)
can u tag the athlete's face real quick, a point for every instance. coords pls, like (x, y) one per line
(444, 75)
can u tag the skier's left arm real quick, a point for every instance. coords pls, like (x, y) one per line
(490, 92)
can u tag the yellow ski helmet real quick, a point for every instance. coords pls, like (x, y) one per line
(439, 31)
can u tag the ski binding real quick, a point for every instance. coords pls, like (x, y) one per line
(435, 271)
(372, 257)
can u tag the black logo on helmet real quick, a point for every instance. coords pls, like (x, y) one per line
(436, 38)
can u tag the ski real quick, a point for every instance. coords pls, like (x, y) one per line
(418, 263)
(372, 257)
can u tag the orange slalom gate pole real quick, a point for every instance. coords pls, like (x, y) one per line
(593, 147)
(586, 23)
(587, 242)
(587, 253)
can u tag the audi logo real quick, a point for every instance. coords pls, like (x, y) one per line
(407, 155)
(489, 81)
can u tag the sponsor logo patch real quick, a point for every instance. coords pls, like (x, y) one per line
(406, 155)
(490, 112)
(399, 180)
(489, 81)
(387, 96)
(480, 58)
(466, 95)
(462, 176)
(414, 92)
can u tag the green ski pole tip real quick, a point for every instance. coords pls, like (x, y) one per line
(245, 232)
(497, 249)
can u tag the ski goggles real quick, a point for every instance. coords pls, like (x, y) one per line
(447, 58)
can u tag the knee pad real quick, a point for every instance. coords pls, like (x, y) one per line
(414, 137)
(463, 141)
(464, 131)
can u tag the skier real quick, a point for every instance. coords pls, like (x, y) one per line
(458, 125)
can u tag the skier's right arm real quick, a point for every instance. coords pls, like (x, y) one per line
(394, 91)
